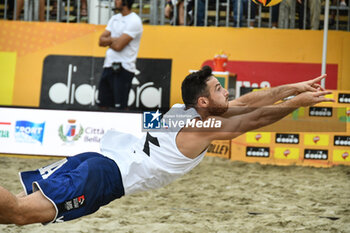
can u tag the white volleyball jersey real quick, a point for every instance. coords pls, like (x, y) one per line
(152, 161)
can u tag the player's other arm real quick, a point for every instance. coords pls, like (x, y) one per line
(236, 125)
(250, 101)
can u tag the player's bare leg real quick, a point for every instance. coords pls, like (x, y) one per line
(34, 208)
(21, 194)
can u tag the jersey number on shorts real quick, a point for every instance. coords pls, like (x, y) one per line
(150, 139)
(45, 172)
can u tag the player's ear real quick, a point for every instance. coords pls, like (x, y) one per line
(203, 101)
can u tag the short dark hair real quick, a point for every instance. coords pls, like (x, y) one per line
(128, 3)
(195, 86)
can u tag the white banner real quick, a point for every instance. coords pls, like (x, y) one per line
(58, 132)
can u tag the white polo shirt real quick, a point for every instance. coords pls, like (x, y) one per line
(130, 24)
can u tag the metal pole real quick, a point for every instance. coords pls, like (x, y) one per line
(305, 11)
(162, 16)
(99, 12)
(195, 12)
(217, 13)
(325, 37)
(185, 12)
(206, 14)
(78, 9)
(175, 14)
(249, 13)
(238, 13)
(14, 10)
(270, 17)
(337, 17)
(5, 13)
(68, 11)
(58, 15)
(348, 18)
(260, 10)
(227, 12)
(47, 10)
(109, 9)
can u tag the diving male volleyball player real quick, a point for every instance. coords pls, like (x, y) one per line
(80, 185)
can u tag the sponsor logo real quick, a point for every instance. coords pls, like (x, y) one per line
(344, 98)
(71, 131)
(341, 155)
(287, 138)
(315, 154)
(258, 136)
(321, 111)
(75, 203)
(29, 132)
(218, 149)
(4, 132)
(72, 82)
(261, 137)
(257, 152)
(286, 153)
(316, 139)
(341, 140)
(93, 134)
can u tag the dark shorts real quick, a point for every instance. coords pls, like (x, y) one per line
(78, 185)
(114, 88)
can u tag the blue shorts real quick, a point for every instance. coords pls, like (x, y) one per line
(78, 185)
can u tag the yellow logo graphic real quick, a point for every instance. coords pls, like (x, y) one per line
(316, 139)
(341, 155)
(258, 137)
(286, 153)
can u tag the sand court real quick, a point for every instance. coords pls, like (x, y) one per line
(217, 196)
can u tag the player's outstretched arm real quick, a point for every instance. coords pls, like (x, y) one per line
(260, 117)
(266, 97)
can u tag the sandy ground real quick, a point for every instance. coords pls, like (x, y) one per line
(217, 196)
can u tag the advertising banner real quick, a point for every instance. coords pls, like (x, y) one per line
(71, 82)
(60, 133)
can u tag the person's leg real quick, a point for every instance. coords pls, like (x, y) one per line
(34, 208)
(42, 10)
(122, 87)
(19, 7)
(237, 12)
(275, 11)
(105, 91)
(315, 12)
(283, 15)
(200, 13)
(181, 12)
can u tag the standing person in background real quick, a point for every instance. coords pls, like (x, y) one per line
(275, 15)
(315, 12)
(286, 17)
(122, 36)
(19, 7)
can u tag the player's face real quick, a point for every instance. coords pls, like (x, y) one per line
(218, 98)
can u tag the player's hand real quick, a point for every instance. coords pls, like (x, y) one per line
(309, 98)
(310, 85)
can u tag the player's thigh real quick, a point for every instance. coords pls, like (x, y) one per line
(35, 208)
